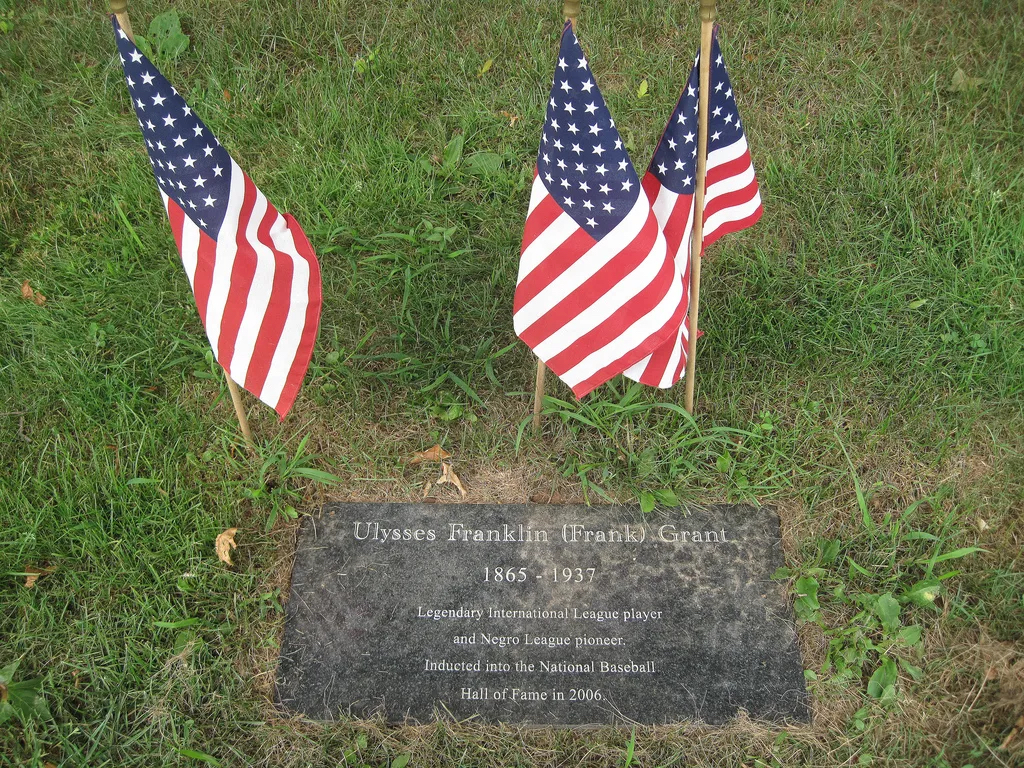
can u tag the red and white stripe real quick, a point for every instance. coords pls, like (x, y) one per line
(732, 201)
(257, 289)
(591, 308)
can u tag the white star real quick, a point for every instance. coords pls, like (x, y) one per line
(136, 57)
(728, 118)
(728, 94)
(687, 180)
(564, 183)
(544, 138)
(552, 102)
(121, 34)
(179, 142)
(584, 186)
(719, 87)
(691, 91)
(200, 181)
(573, 129)
(627, 185)
(139, 102)
(146, 78)
(599, 150)
(160, 146)
(555, 125)
(679, 165)
(191, 205)
(569, 202)
(562, 64)
(591, 223)
(608, 207)
(592, 108)
(601, 169)
(594, 129)
(618, 143)
(716, 135)
(181, 186)
(671, 143)
(158, 100)
(207, 151)
(576, 148)
(131, 83)
(622, 165)
(202, 223)
(150, 145)
(545, 158)
(587, 204)
(190, 162)
(689, 137)
(682, 119)
(604, 188)
(197, 130)
(561, 164)
(662, 169)
(582, 64)
(588, 85)
(718, 61)
(716, 111)
(557, 144)
(565, 86)
(171, 166)
(169, 121)
(187, 111)
(209, 201)
(581, 168)
(569, 107)
(547, 176)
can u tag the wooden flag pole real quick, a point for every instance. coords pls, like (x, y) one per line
(120, 10)
(570, 10)
(707, 24)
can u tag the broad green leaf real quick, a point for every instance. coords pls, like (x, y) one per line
(888, 610)
(917, 304)
(401, 761)
(915, 672)
(483, 163)
(647, 502)
(924, 593)
(485, 68)
(829, 550)
(642, 90)
(723, 463)
(806, 603)
(196, 755)
(666, 497)
(453, 152)
(176, 624)
(166, 36)
(955, 554)
(910, 635)
(883, 681)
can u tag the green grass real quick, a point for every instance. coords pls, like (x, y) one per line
(863, 352)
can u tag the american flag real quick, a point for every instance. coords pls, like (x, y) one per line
(597, 290)
(731, 198)
(255, 277)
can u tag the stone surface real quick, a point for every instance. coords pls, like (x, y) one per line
(602, 615)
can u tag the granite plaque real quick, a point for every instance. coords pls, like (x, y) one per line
(537, 614)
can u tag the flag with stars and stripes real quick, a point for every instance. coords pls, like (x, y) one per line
(255, 277)
(731, 198)
(597, 290)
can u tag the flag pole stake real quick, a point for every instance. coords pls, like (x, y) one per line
(236, 399)
(570, 10)
(120, 10)
(707, 24)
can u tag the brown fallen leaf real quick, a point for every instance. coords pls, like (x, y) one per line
(225, 543)
(227, 95)
(448, 476)
(510, 117)
(33, 574)
(1013, 733)
(30, 295)
(437, 453)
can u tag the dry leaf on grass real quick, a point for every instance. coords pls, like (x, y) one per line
(33, 574)
(448, 476)
(30, 295)
(510, 117)
(225, 543)
(437, 453)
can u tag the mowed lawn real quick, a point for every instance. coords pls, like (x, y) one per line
(861, 367)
